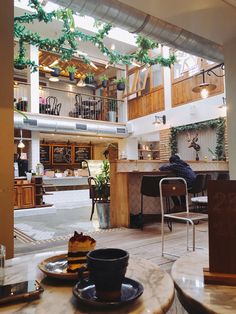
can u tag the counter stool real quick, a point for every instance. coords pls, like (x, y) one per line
(149, 187)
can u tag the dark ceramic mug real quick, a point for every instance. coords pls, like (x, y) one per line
(107, 268)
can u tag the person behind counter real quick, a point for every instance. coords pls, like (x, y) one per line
(180, 169)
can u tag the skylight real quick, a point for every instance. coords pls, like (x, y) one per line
(84, 22)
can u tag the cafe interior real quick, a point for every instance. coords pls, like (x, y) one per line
(93, 218)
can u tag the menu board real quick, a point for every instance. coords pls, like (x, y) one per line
(45, 154)
(61, 154)
(82, 153)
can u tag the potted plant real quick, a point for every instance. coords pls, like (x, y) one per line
(71, 69)
(120, 83)
(112, 109)
(56, 71)
(89, 78)
(102, 188)
(104, 79)
(19, 63)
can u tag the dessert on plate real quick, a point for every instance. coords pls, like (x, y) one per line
(78, 247)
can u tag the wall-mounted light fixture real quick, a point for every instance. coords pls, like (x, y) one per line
(21, 144)
(223, 106)
(159, 120)
(204, 88)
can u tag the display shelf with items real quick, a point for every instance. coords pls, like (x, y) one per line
(39, 191)
(148, 151)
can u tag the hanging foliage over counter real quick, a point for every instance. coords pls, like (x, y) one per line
(67, 43)
(218, 124)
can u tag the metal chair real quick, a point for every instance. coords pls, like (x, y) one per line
(92, 193)
(149, 187)
(177, 186)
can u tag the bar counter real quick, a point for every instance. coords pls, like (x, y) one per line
(125, 178)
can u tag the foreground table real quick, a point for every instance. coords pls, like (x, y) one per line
(57, 297)
(195, 296)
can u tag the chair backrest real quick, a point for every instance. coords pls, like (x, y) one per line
(207, 178)
(173, 186)
(91, 183)
(150, 186)
(198, 184)
(223, 176)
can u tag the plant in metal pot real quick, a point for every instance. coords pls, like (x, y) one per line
(71, 69)
(120, 83)
(102, 189)
(104, 78)
(89, 78)
(112, 109)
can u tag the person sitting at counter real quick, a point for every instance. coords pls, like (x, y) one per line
(180, 169)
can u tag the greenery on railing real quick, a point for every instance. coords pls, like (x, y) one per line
(218, 124)
(67, 43)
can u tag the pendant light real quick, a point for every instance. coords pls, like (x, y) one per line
(21, 144)
(204, 88)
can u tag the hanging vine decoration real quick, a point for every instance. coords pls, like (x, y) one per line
(218, 124)
(67, 43)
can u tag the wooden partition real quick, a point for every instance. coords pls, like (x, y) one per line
(147, 104)
(182, 88)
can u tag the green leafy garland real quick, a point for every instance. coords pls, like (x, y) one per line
(67, 43)
(218, 124)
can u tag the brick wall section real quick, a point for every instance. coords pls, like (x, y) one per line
(164, 144)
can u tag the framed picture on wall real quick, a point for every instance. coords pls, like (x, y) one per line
(61, 154)
(45, 153)
(81, 153)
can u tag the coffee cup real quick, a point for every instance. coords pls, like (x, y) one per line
(107, 268)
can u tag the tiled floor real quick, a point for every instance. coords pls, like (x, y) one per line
(71, 211)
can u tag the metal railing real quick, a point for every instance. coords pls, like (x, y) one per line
(64, 103)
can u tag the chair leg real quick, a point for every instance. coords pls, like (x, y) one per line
(162, 235)
(92, 212)
(193, 237)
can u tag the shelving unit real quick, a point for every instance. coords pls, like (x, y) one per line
(39, 192)
(149, 150)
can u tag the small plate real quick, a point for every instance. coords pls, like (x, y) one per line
(85, 292)
(56, 267)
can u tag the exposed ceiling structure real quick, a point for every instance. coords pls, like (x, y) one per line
(200, 27)
(47, 59)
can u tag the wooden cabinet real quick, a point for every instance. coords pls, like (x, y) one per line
(24, 195)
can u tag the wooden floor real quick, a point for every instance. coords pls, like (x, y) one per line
(145, 243)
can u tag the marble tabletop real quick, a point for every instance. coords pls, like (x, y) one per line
(196, 296)
(58, 298)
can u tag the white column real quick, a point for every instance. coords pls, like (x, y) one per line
(129, 147)
(167, 81)
(33, 78)
(35, 150)
(230, 83)
(122, 107)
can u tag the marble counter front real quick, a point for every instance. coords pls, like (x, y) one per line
(196, 296)
(58, 298)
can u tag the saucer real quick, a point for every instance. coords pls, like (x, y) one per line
(56, 267)
(85, 292)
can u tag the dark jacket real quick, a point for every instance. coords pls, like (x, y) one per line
(181, 169)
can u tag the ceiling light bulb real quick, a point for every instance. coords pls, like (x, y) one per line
(53, 79)
(204, 93)
(21, 144)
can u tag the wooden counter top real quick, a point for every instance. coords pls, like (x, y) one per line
(126, 166)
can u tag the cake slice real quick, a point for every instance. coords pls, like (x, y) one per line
(78, 247)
